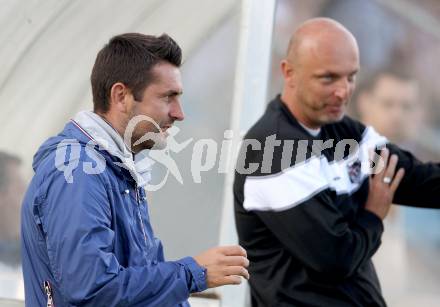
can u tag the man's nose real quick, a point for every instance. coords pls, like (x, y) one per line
(176, 111)
(343, 90)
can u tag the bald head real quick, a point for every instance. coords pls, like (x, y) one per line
(318, 35)
(319, 72)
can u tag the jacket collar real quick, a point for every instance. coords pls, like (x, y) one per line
(94, 128)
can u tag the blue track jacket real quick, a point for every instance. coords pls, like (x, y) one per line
(88, 237)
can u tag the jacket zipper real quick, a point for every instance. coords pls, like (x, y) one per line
(140, 216)
(48, 290)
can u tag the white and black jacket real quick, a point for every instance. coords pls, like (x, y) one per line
(301, 218)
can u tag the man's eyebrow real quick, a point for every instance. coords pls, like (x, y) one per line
(334, 73)
(354, 72)
(325, 73)
(172, 93)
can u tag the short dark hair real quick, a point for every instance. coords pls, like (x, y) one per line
(128, 58)
(5, 160)
(369, 81)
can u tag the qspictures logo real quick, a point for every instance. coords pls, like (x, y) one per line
(206, 154)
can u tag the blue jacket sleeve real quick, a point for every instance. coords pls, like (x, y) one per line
(77, 226)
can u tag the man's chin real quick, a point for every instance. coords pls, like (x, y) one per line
(159, 144)
(332, 119)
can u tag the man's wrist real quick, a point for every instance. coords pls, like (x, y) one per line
(196, 275)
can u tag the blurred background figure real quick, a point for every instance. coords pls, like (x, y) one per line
(389, 100)
(12, 187)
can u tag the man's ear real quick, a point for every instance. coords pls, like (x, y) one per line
(119, 95)
(288, 72)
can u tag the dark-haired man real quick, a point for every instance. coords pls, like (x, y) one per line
(388, 100)
(86, 235)
(310, 215)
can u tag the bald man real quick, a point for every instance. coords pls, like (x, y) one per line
(307, 209)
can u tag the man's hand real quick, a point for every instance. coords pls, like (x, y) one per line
(383, 186)
(224, 265)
